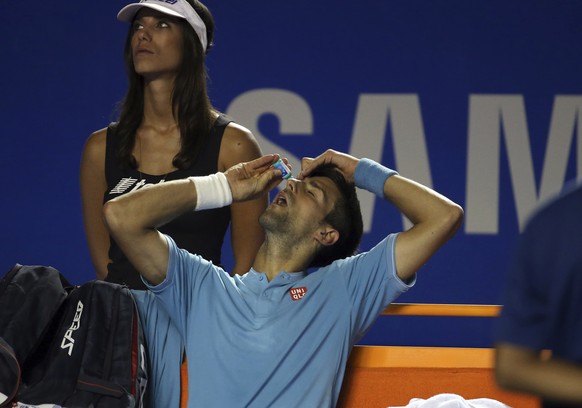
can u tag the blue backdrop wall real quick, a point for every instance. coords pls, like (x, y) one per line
(480, 100)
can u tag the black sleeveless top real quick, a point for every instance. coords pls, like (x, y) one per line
(200, 232)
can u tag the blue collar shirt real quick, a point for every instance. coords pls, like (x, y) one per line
(283, 343)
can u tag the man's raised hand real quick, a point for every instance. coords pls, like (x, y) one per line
(251, 179)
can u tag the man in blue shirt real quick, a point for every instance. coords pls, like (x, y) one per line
(543, 307)
(279, 336)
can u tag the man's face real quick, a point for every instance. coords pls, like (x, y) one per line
(301, 207)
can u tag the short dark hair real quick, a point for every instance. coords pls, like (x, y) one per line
(345, 217)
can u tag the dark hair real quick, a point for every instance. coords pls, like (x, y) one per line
(345, 217)
(190, 103)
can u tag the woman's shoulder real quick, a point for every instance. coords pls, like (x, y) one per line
(94, 150)
(237, 133)
(232, 129)
(99, 134)
(96, 141)
(238, 145)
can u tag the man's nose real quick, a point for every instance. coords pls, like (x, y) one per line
(293, 184)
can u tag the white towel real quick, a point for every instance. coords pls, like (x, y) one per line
(452, 401)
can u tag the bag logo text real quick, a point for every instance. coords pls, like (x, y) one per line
(68, 340)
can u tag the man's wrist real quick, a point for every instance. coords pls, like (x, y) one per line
(212, 191)
(371, 176)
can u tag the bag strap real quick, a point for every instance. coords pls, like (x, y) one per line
(99, 387)
(8, 277)
(9, 361)
(112, 333)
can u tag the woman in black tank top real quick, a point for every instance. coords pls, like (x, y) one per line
(167, 129)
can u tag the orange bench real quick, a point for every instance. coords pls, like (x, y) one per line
(383, 376)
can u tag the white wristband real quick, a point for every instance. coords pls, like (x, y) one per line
(213, 191)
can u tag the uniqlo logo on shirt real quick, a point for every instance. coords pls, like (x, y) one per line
(297, 293)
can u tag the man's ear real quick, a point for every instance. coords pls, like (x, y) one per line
(326, 235)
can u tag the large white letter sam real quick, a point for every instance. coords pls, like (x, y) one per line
(487, 115)
(409, 143)
(292, 111)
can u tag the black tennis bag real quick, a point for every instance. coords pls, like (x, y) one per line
(69, 346)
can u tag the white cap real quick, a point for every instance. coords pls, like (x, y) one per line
(176, 8)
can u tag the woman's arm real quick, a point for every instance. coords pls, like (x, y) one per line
(239, 145)
(93, 186)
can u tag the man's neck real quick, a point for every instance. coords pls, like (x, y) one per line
(274, 258)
